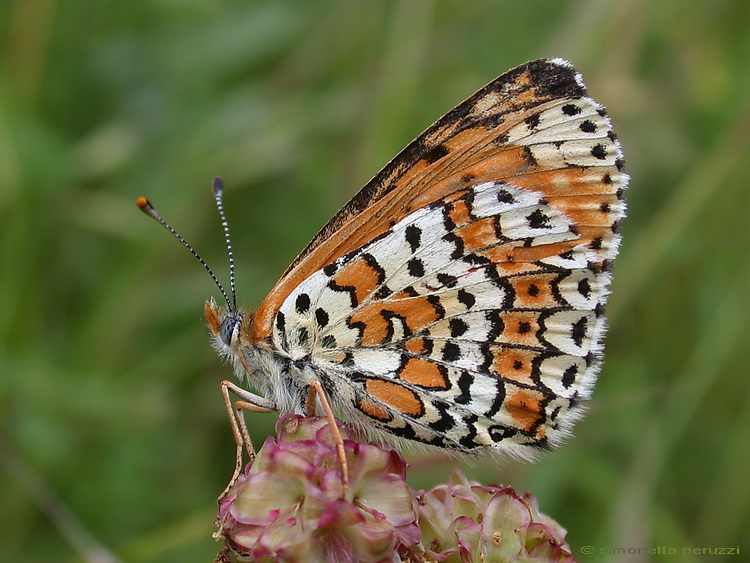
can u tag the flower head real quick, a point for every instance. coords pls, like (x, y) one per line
(464, 521)
(290, 504)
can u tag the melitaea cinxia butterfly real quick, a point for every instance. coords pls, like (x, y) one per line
(457, 300)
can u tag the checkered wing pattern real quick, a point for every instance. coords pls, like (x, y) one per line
(472, 316)
(458, 299)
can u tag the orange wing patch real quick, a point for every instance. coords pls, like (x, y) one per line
(396, 396)
(374, 410)
(521, 259)
(526, 408)
(477, 235)
(534, 291)
(424, 373)
(521, 328)
(416, 346)
(360, 276)
(376, 319)
(459, 212)
(515, 364)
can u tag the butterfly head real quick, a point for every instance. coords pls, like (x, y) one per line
(225, 325)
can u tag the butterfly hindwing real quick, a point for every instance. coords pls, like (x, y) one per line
(434, 324)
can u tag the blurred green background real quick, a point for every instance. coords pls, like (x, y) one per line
(113, 438)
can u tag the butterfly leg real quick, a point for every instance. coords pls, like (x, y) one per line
(252, 403)
(316, 390)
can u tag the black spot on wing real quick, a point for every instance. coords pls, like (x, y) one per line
(280, 327)
(433, 154)
(383, 292)
(551, 79)
(413, 236)
(447, 280)
(584, 287)
(497, 403)
(538, 220)
(466, 298)
(497, 325)
(302, 304)
(451, 352)
(578, 331)
(599, 151)
(504, 196)
(499, 432)
(448, 223)
(457, 242)
(502, 139)
(465, 381)
(410, 291)
(321, 317)
(391, 318)
(457, 327)
(532, 122)
(569, 376)
(405, 431)
(375, 265)
(350, 289)
(415, 267)
(588, 126)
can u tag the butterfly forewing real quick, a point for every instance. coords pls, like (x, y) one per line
(457, 300)
(511, 128)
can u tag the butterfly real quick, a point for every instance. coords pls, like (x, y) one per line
(457, 300)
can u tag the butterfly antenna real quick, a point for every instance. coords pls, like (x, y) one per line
(217, 186)
(145, 206)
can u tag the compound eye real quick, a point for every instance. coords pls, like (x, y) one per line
(226, 330)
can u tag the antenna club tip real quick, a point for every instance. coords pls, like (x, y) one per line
(217, 186)
(143, 203)
(145, 206)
